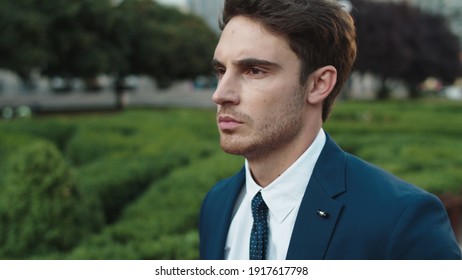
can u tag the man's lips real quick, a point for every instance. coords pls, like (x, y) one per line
(228, 123)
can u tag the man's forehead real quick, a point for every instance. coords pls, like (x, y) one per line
(244, 38)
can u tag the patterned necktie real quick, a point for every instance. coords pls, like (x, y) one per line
(259, 234)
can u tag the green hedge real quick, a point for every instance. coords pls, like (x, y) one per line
(116, 157)
(117, 181)
(56, 130)
(144, 173)
(116, 163)
(417, 141)
(162, 224)
(41, 208)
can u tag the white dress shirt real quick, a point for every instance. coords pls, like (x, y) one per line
(283, 198)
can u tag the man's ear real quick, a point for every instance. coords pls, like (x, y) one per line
(320, 84)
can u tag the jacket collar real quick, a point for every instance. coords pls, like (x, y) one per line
(221, 219)
(313, 229)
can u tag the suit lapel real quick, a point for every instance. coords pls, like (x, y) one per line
(221, 218)
(313, 231)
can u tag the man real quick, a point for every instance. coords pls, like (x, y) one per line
(280, 65)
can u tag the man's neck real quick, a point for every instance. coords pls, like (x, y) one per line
(267, 168)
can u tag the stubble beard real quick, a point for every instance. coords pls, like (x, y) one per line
(263, 138)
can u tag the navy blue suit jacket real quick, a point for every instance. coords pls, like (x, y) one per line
(371, 215)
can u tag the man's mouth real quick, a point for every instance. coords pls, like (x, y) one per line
(228, 123)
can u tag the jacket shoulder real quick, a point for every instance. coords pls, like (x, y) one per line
(412, 220)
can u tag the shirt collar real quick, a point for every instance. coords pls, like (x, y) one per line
(286, 192)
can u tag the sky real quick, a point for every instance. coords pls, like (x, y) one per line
(175, 2)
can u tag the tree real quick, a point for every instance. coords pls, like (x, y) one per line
(437, 53)
(398, 41)
(79, 38)
(84, 38)
(57, 37)
(161, 42)
(23, 41)
(158, 41)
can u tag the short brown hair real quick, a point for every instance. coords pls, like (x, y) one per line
(320, 32)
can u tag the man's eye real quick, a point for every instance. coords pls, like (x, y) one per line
(254, 71)
(219, 72)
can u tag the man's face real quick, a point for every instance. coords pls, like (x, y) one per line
(259, 97)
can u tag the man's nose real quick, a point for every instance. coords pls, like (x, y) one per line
(227, 90)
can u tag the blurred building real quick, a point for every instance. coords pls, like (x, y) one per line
(180, 4)
(209, 10)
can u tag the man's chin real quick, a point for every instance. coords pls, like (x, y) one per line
(232, 150)
(231, 146)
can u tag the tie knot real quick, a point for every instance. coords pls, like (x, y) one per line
(259, 208)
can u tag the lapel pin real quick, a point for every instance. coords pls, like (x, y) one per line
(322, 214)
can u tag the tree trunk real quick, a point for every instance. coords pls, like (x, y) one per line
(413, 91)
(120, 94)
(384, 91)
(28, 83)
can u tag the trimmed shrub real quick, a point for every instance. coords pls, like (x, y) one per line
(417, 141)
(41, 208)
(10, 142)
(162, 224)
(56, 130)
(149, 170)
(115, 182)
(89, 144)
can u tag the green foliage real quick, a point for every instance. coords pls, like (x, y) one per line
(142, 174)
(124, 179)
(23, 43)
(41, 208)
(78, 38)
(162, 224)
(418, 141)
(58, 131)
(161, 42)
(10, 142)
(90, 144)
(405, 43)
(85, 38)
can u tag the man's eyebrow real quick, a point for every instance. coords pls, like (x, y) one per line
(248, 62)
(256, 62)
(216, 63)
